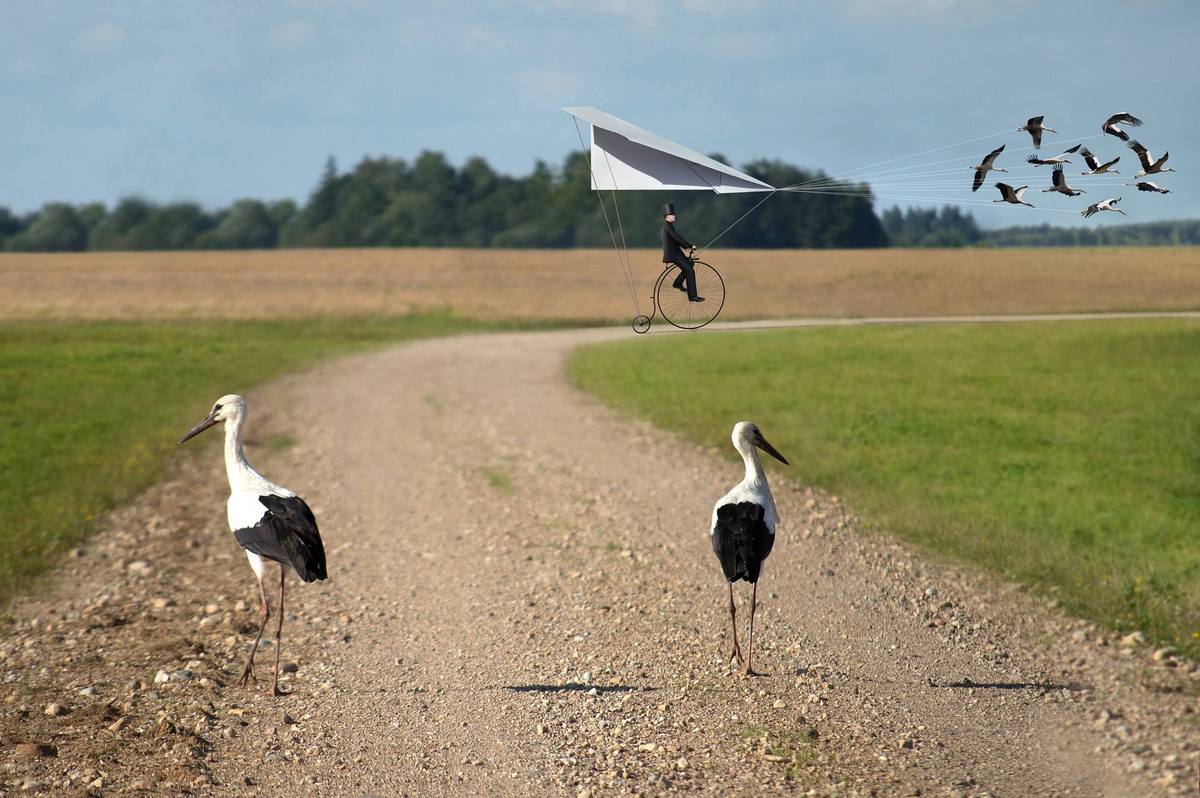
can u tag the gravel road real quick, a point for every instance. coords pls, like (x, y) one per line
(522, 601)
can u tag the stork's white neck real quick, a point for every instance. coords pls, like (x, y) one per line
(754, 469)
(241, 475)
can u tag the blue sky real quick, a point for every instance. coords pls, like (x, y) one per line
(218, 100)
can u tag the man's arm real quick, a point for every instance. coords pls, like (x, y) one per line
(678, 239)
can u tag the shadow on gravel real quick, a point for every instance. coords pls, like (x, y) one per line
(572, 687)
(1074, 687)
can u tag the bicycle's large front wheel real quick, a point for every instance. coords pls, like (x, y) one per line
(681, 312)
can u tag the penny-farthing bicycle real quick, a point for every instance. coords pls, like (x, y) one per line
(673, 304)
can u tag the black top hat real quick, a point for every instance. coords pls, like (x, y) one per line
(668, 209)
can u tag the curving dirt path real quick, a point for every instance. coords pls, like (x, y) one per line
(523, 601)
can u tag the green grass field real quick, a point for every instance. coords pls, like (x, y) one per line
(89, 412)
(1063, 455)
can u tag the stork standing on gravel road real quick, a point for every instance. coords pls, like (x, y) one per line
(743, 528)
(268, 521)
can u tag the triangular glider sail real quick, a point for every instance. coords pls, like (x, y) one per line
(626, 158)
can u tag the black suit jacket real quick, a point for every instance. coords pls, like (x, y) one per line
(673, 244)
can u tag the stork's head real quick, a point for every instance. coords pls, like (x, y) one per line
(229, 407)
(747, 436)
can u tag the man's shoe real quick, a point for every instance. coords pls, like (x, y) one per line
(695, 299)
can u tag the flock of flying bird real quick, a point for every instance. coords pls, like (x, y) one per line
(1035, 127)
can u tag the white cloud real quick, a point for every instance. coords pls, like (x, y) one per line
(719, 7)
(549, 84)
(477, 37)
(739, 46)
(103, 37)
(910, 8)
(291, 35)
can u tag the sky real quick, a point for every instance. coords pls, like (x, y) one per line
(221, 100)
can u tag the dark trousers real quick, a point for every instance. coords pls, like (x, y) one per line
(687, 272)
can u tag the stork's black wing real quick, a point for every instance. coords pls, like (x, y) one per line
(741, 540)
(1089, 158)
(287, 534)
(978, 181)
(1142, 154)
(1057, 178)
(1124, 119)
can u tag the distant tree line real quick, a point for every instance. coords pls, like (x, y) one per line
(930, 227)
(952, 227)
(390, 202)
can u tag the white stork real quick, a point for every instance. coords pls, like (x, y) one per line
(1035, 128)
(1110, 125)
(1109, 204)
(743, 528)
(1057, 159)
(1149, 165)
(267, 520)
(985, 166)
(1146, 185)
(1094, 165)
(1011, 195)
(1059, 184)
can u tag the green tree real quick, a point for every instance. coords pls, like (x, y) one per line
(10, 225)
(56, 228)
(248, 224)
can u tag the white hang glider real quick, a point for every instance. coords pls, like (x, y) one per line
(624, 157)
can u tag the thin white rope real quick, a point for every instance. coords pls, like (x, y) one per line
(621, 227)
(743, 216)
(909, 198)
(919, 154)
(875, 175)
(603, 209)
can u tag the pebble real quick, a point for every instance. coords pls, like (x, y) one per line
(88, 691)
(138, 568)
(681, 763)
(290, 667)
(56, 710)
(779, 704)
(181, 675)
(1133, 639)
(1163, 654)
(162, 677)
(34, 751)
(118, 724)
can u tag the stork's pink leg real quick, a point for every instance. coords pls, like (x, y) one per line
(275, 691)
(736, 653)
(748, 671)
(248, 672)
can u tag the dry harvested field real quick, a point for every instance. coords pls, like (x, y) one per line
(587, 284)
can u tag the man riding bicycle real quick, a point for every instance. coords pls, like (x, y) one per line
(673, 247)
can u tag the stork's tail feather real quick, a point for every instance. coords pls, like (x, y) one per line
(741, 540)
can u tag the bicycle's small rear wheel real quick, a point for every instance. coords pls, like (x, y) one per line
(681, 312)
(641, 324)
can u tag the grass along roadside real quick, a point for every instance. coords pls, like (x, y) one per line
(89, 412)
(1063, 455)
